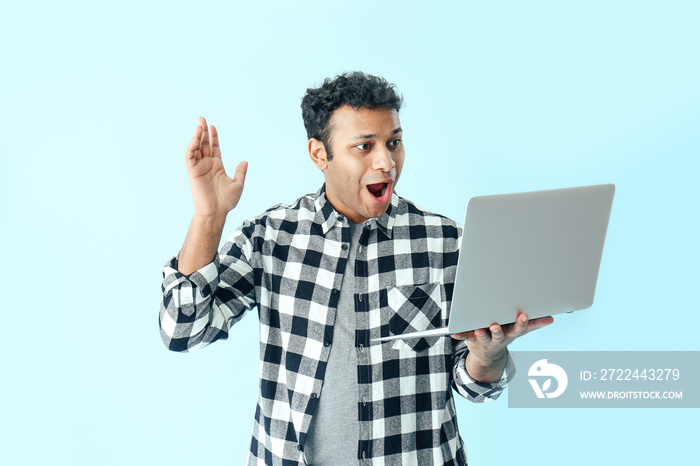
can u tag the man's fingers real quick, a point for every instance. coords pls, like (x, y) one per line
(241, 171)
(520, 325)
(497, 334)
(539, 323)
(463, 335)
(215, 149)
(506, 334)
(481, 334)
(523, 325)
(193, 149)
(204, 143)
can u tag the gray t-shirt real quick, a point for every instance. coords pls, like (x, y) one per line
(334, 433)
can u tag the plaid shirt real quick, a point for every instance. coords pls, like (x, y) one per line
(289, 263)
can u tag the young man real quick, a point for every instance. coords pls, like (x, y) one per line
(328, 273)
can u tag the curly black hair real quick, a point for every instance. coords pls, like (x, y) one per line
(356, 89)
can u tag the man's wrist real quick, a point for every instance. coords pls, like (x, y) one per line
(497, 359)
(211, 222)
(488, 370)
(202, 242)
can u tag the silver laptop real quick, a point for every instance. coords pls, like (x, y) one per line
(536, 252)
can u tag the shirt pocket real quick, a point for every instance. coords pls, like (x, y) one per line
(414, 308)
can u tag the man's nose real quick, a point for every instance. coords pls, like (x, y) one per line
(383, 159)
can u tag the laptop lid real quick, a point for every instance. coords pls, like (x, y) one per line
(537, 252)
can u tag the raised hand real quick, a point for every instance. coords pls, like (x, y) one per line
(213, 191)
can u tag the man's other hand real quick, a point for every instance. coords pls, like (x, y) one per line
(488, 346)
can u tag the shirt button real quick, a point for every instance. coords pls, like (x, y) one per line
(362, 348)
(326, 344)
(344, 247)
(314, 396)
(334, 291)
(299, 447)
(364, 455)
(364, 401)
(340, 218)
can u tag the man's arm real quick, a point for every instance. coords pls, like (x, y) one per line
(215, 194)
(488, 347)
(203, 293)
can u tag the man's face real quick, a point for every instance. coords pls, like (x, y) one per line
(367, 159)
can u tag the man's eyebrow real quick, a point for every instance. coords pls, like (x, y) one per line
(364, 136)
(373, 136)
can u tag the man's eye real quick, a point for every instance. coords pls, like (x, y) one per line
(365, 146)
(395, 142)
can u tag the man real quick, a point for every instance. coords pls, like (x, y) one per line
(329, 273)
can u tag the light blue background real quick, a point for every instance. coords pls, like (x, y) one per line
(98, 102)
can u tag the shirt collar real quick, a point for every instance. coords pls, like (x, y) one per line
(327, 217)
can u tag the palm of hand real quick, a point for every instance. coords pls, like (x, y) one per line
(213, 191)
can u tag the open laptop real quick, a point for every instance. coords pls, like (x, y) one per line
(536, 252)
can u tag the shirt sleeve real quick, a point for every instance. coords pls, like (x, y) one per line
(199, 308)
(469, 388)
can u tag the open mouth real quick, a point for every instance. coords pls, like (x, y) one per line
(380, 191)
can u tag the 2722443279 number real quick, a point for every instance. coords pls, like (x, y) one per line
(639, 374)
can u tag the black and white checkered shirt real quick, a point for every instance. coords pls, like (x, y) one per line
(289, 263)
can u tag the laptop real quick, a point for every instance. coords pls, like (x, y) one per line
(536, 252)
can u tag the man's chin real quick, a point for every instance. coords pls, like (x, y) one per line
(377, 211)
(372, 209)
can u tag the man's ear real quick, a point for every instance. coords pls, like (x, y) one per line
(317, 152)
